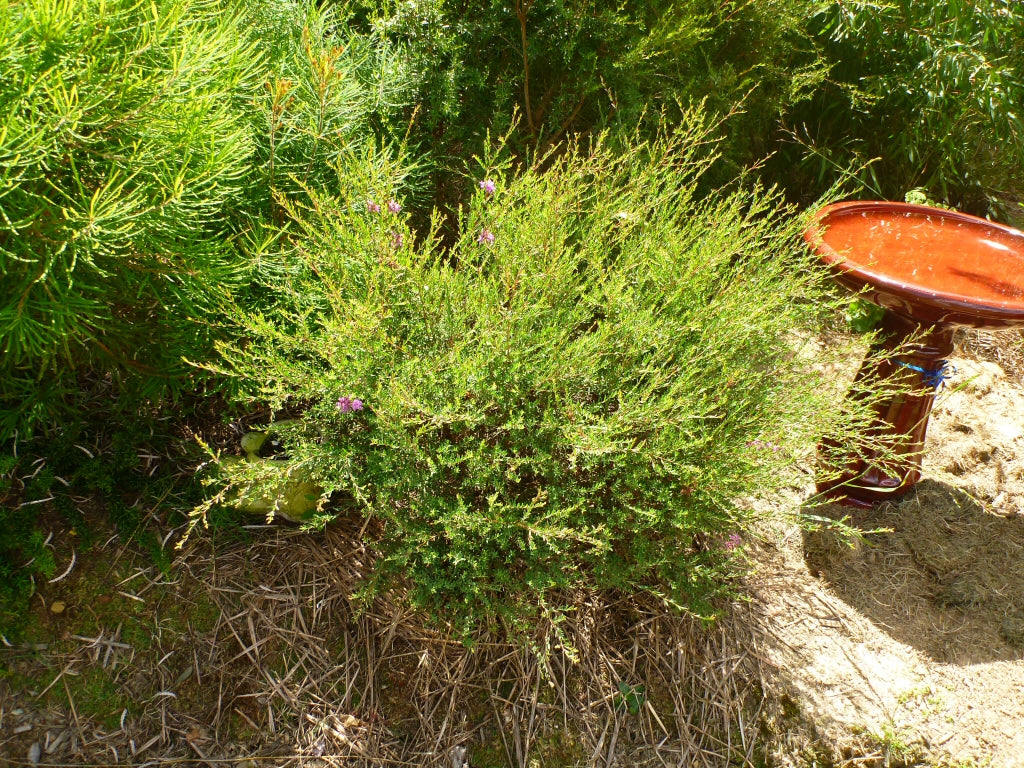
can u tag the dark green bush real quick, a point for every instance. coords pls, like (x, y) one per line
(580, 391)
(919, 95)
(570, 68)
(896, 96)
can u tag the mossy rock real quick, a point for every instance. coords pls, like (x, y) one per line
(294, 497)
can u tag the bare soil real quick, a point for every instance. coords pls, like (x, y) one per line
(914, 636)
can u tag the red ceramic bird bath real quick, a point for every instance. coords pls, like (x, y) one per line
(931, 270)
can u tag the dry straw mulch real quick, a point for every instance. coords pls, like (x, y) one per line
(382, 687)
(290, 673)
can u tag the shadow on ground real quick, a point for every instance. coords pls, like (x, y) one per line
(947, 578)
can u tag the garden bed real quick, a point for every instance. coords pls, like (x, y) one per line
(900, 650)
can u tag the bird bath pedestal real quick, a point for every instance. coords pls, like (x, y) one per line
(931, 270)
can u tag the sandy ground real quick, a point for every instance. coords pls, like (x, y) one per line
(914, 637)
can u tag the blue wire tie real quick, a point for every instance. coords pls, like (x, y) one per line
(933, 378)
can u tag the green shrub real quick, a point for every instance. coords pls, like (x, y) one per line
(142, 146)
(581, 389)
(919, 95)
(898, 95)
(122, 147)
(571, 68)
(328, 96)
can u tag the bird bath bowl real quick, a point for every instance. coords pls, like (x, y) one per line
(931, 270)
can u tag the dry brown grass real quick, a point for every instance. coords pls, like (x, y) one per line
(1005, 348)
(291, 673)
(383, 687)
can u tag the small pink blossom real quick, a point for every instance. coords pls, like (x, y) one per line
(488, 186)
(394, 206)
(349, 404)
(486, 237)
(397, 240)
(732, 541)
(372, 207)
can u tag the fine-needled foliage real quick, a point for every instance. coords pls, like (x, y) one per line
(142, 147)
(566, 69)
(892, 95)
(919, 95)
(581, 390)
(122, 148)
(328, 95)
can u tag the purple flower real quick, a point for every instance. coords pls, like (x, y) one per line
(394, 207)
(349, 404)
(372, 207)
(732, 541)
(397, 239)
(488, 186)
(486, 237)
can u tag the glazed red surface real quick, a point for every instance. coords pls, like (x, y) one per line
(927, 263)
